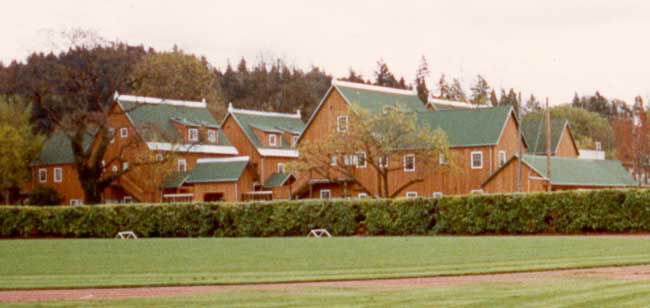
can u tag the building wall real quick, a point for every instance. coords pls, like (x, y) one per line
(232, 191)
(566, 146)
(506, 180)
(69, 187)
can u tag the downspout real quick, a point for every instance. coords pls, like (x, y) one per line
(236, 192)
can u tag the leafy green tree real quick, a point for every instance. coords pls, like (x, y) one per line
(421, 75)
(20, 144)
(44, 195)
(480, 91)
(177, 75)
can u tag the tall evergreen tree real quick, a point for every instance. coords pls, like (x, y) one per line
(480, 91)
(456, 92)
(384, 77)
(420, 80)
(493, 98)
(532, 104)
(443, 88)
(354, 77)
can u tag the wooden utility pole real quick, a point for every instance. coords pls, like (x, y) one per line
(548, 145)
(519, 179)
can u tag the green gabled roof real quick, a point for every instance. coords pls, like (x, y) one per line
(210, 170)
(535, 133)
(57, 149)
(155, 121)
(277, 179)
(581, 172)
(376, 100)
(468, 127)
(267, 121)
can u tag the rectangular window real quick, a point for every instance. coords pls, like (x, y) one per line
(442, 160)
(477, 160)
(502, 158)
(58, 175)
(362, 195)
(280, 168)
(124, 132)
(111, 133)
(342, 124)
(599, 146)
(193, 134)
(476, 191)
(273, 140)
(333, 160)
(125, 165)
(159, 157)
(127, 199)
(411, 194)
(349, 160)
(295, 140)
(42, 175)
(115, 168)
(182, 165)
(212, 136)
(437, 194)
(409, 162)
(75, 202)
(103, 163)
(361, 160)
(325, 194)
(383, 162)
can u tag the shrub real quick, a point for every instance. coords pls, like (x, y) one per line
(44, 195)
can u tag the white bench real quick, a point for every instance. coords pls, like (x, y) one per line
(126, 235)
(318, 233)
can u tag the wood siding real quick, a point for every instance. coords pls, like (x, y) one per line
(566, 146)
(506, 179)
(69, 188)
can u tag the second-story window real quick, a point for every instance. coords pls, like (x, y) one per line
(58, 175)
(477, 160)
(280, 168)
(361, 160)
(442, 160)
(409, 162)
(42, 175)
(333, 160)
(193, 134)
(124, 132)
(273, 140)
(502, 158)
(212, 136)
(342, 124)
(182, 165)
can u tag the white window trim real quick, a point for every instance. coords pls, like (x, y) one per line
(476, 191)
(362, 195)
(502, 158)
(115, 168)
(273, 140)
(125, 165)
(404, 162)
(127, 199)
(383, 162)
(365, 160)
(411, 194)
(442, 160)
(193, 134)
(329, 193)
(76, 202)
(281, 167)
(60, 177)
(124, 132)
(471, 159)
(44, 172)
(334, 160)
(111, 132)
(294, 141)
(437, 194)
(339, 128)
(179, 163)
(159, 157)
(212, 136)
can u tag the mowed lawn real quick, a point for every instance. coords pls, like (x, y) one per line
(111, 262)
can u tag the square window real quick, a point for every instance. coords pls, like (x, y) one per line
(273, 140)
(333, 160)
(361, 160)
(193, 134)
(502, 158)
(182, 165)
(159, 157)
(127, 199)
(409, 163)
(325, 194)
(212, 136)
(280, 168)
(349, 160)
(58, 175)
(437, 194)
(124, 132)
(42, 175)
(362, 195)
(342, 124)
(411, 194)
(477, 160)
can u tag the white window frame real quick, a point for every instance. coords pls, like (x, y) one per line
(329, 194)
(212, 136)
(159, 157)
(598, 145)
(127, 199)
(411, 194)
(273, 140)
(124, 132)
(437, 194)
(502, 158)
(76, 202)
(339, 127)
(43, 172)
(365, 160)
(280, 168)
(181, 162)
(125, 165)
(334, 160)
(442, 160)
(59, 178)
(294, 141)
(103, 163)
(383, 162)
(115, 168)
(193, 134)
(362, 195)
(471, 159)
(476, 191)
(407, 156)
(349, 160)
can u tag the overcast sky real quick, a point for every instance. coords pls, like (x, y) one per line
(550, 48)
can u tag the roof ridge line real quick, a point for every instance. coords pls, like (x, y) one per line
(222, 159)
(296, 115)
(363, 86)
(159, 101)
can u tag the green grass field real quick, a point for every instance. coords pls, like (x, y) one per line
(108, 262)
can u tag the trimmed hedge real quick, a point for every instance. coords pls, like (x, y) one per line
(539, 213)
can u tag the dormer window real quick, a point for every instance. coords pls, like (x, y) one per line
(193, 134)
(212, 136)
(273, 140)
